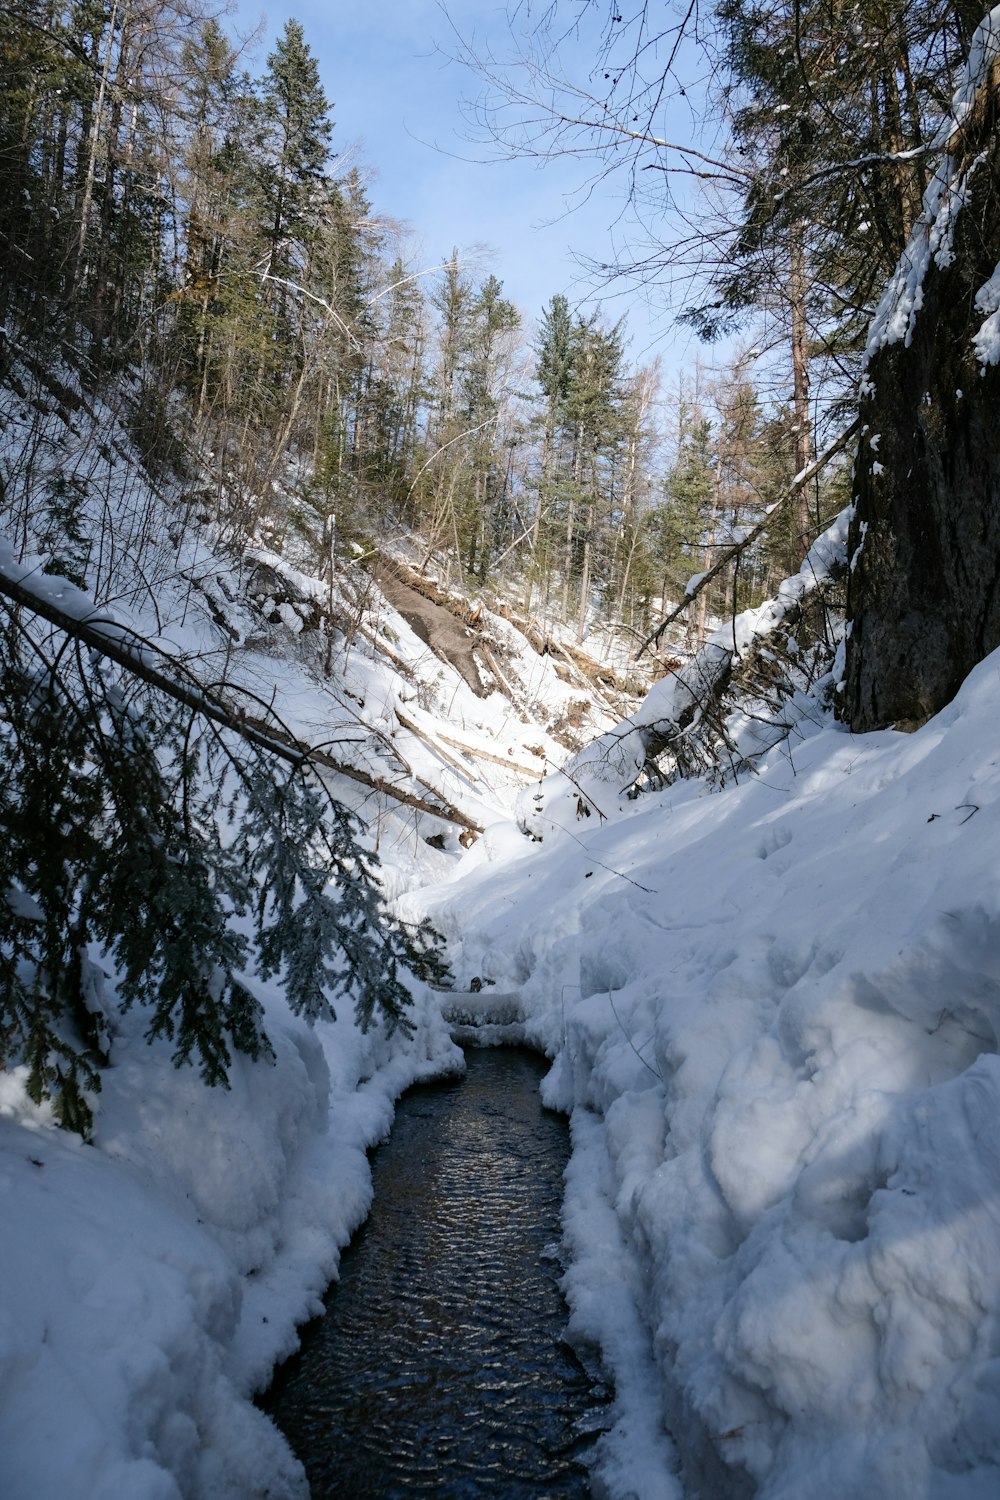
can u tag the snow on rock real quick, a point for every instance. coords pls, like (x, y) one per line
(775, 1014)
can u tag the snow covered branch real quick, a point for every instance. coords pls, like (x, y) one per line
(702, 580)
(69, 609)
(676, 707)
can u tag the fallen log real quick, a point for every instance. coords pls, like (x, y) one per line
(127, 648)
(474, 750)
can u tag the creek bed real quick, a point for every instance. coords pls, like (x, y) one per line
(438, 1367)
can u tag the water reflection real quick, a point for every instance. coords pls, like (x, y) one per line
(438, 1368)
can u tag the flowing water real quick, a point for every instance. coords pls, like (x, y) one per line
(438, 1367)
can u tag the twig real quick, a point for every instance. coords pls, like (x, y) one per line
(704, 579)
(655, 1071)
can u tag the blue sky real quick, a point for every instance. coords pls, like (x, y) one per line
(385, 68)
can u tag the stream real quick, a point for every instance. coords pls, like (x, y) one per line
(438, 1367)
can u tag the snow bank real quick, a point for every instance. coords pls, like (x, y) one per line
(152, 1279)
(160, 1272)
(775, 1014)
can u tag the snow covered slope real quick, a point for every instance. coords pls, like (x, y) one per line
(775, 1014)
(151, 1279)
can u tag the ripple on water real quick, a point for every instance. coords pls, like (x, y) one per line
(438, 1367)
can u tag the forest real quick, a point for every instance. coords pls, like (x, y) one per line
(716, 641)
(167, 213)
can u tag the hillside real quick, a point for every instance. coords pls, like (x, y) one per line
(211, 1218)
(336, 725)
(769, 1008)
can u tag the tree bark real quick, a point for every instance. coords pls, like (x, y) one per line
(924, 589)
(800, 381)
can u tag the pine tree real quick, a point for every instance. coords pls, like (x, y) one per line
(680, 525)
(343, 272)
(211, 187)
(402, 382)
(556, 349)
(830, 106)
(629, 582)
(444, 470)
(593, 415)
(494, 322)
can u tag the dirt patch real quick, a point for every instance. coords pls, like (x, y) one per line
(435, 623)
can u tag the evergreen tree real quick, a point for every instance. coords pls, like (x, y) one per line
(344, 271)
(443, 471)
(629, 583)
(113, 809)
(555, 353)
(680, 525)
(211, 188)
(294, 144)
(830, 108)
(402, 382)
(594, 419)
(494, 321)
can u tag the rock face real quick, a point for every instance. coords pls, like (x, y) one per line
(924, 591)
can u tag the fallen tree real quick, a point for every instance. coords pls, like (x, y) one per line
(70, 610)
(681, 718)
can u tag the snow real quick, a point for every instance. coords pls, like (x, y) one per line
(160, 1272)
(933, 234)
(774, 1013)
(986, 341)
(593, 781)
(153, 1278)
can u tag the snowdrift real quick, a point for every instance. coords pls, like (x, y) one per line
(774, 1013)
(154, 1278)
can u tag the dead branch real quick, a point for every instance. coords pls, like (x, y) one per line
(432, 741)
(491, 662)
(128, 649)
(704, 579)
(474, 750)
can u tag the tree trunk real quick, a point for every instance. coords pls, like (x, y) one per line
(96, 124)
(800, 380)
(924, 586)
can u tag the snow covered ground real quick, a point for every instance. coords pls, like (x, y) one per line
(150, 1280)
(774, 1013)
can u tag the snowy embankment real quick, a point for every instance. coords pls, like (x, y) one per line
(151, 1279)
(151, 1283)
(775, 1014)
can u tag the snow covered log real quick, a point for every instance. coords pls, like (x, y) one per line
(592, 780)
(924, 592)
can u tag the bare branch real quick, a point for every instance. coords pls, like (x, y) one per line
(130, 650)
(702, 580)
